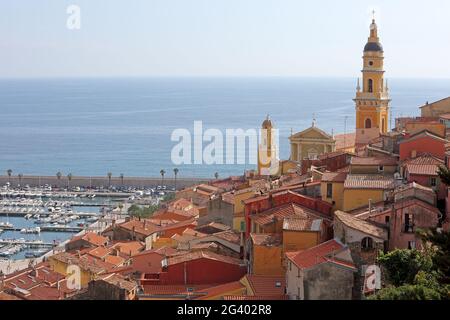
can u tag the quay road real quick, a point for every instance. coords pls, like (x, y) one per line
(96, 182)
(50, 229)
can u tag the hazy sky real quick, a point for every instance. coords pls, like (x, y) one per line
(221, 38)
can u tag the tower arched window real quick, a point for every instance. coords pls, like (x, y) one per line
(370, 85)
(383, 125)
(368, 123)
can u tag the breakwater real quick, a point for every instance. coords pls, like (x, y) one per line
(97, 182)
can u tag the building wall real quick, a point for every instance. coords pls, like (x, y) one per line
(267, 260)
(425, 180)
(417, 126)
(300, 240)
(423, 218)
(328, 282)
(411, 149)
(356, 198)
(354, 169)
(147, 263)
(337, 195)
(435, 109)
(202, 271)
(61, 268)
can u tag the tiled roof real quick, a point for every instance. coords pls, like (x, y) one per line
(171, 290)
(266, 285)
(212, 292)
(334, 176)
(99, 252)
(115, 260)
(369, 181)
(129, 247)
(423, 134)
(229, 235)
(284, 211)
(321, 253)
(266, 239)
(361, 225)
(425, 164)
(373, 161)
(92, 238)
(301, 224)
(85, 262)
(202, 254)
(143, 226)
(119, 281)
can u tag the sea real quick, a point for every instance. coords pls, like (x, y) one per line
(88, 126)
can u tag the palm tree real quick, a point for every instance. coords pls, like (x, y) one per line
(162, 173)
(20, 178)
(109, 179)
(121, 179)
(9, 173)
(175, 172)
(216, 175)
(69, 178)
(58, 176)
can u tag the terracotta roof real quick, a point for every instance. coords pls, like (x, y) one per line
(445, 116)
(202, 254)
(266, 239)
(373, 161)
(424, 164)
(422, 134)
(334, 176)
(266, 285)
(92, 238)
(143, 226)
(171, 290)
(324, 252)
(85, 262)
(369, 181)
(284, 211)
(361, 225)
(212, 292)
(119, 281)
(5, 296)
(302, 224)
(129, 247)
(115, 260)
(212, 227)
(229, 235)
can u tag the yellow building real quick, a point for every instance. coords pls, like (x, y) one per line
(372, 100)
(300, 233)
(67, 264)
(310, 143)
(266, 256)
(360, 189)
(332, 188)
(435, 109)
(268, 161)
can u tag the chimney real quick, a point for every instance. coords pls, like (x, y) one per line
(370, 206)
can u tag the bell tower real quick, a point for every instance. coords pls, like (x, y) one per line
(372, 95)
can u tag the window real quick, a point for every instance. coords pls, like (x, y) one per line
(370, 85)
(411, 245)
(368, 123)
(383, 125)
(433, 182)
(380, 168)
(242, 225)
(409, 227)
(367, 243)
(386, 219)
(370, 63)
(329, 190)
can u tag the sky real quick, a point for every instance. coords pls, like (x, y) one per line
(149, 38)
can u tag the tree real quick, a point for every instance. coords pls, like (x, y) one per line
(58, 176)
(69, 178)
(142, 212)
(402, 265)
(216, 175)
(121, 179)
(109, 174)
(439, 242)
(444, 174)
(9, 173)
(162, 173)
(20, 178)
(175, 172)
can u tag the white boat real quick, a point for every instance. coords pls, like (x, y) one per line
(28, 216)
